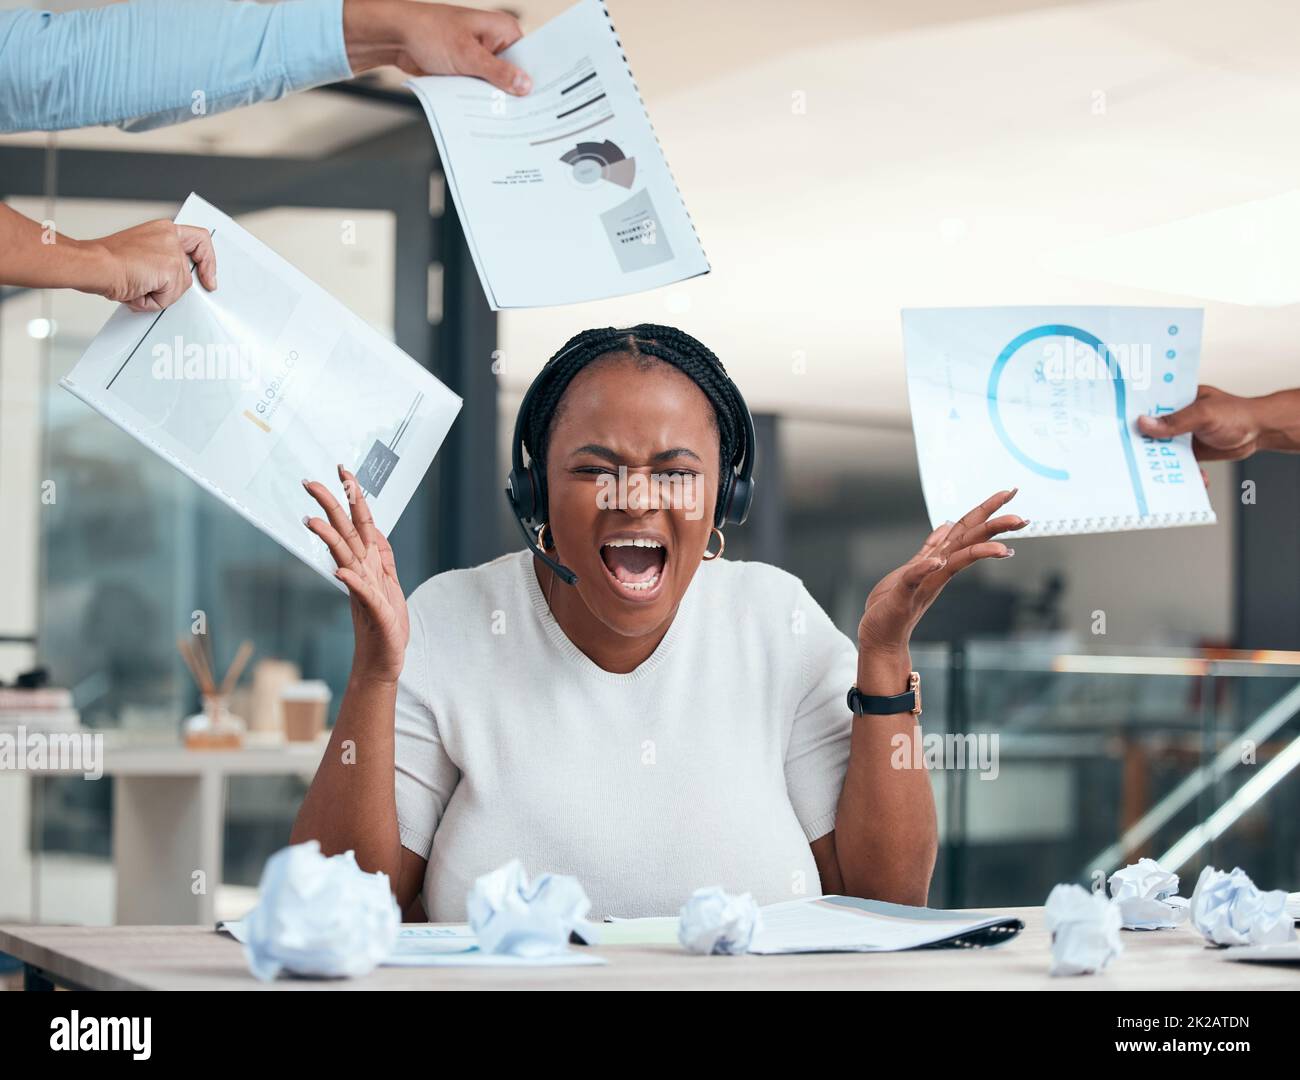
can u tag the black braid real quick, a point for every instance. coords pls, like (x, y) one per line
(665, 343)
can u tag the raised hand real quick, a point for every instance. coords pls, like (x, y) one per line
(380, 624)
(897, 603)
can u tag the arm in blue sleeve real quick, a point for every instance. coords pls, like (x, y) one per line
(148, 63)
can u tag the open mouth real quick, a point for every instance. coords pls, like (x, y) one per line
(636, 565)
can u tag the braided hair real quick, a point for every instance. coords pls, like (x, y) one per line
(647, 343)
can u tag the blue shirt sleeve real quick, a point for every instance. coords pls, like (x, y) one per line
(149, 63)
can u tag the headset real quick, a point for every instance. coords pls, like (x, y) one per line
(526, 484)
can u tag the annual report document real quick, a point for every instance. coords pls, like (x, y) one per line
(264, 382)
(1047, 399)
(564, 195)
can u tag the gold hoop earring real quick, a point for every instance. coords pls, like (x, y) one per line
(722, 546)
(541, 535)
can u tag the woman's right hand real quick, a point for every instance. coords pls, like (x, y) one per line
(380, 623)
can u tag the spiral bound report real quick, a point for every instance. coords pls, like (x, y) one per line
(564, 194)
(1047, 399)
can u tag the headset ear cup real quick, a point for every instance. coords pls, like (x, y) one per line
(722, 514)
(527, 498)
(742, 496)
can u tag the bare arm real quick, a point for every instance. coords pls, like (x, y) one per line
(351, 802)
(886, 831)
(146, 267)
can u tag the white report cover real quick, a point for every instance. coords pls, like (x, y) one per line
(564, 194)
(1047, 399)
(264, 382)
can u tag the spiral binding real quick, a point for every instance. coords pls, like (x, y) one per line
(650, 123)
(1117, 523)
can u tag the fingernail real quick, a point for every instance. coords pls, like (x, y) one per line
(522, 84)
(307, 484)
(1023, 522)
(1009, 553)
(306, 521)
(948, 523)
(1013, 492)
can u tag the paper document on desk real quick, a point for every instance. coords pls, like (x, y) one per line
(445, 945)
(265, 381)
(564, 194)
(1047, 399)
(850, 924)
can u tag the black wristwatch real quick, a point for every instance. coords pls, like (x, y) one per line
(907, 702)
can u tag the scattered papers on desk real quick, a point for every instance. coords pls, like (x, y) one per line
(1228, 909)
(511, 916)
(1085, 930)
(262, 383)
(647, 930)
(850, 924)
(1145, 893)
(452, 945)
(1047, 399)
(1286, 952)
(564, 194)
(319, 916)
(714, 921)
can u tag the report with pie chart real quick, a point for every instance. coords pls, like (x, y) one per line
(1047, 399)
(564, 195)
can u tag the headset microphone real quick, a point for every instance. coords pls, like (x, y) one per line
(562, 572)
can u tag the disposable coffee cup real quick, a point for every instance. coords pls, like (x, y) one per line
(304, 705)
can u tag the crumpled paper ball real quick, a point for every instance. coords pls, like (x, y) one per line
(715, 921)
(1229, 910)
(320, 916)
(1085, 930)
(1145, 892)
(510, 916)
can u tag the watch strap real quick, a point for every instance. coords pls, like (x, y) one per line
(909, 701)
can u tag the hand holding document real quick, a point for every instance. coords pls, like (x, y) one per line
(1047, 399)
(264, 382)
(564, 195)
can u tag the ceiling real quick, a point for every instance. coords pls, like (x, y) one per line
(952, 152)
(950, 162)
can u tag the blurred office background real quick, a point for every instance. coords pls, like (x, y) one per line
(841, 161)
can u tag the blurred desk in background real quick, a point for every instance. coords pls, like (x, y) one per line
(169, 807)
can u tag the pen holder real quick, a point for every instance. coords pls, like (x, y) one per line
(215, 728)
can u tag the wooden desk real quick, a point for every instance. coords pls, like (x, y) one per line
(197, 958)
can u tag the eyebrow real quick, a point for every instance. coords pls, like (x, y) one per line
(609, 455)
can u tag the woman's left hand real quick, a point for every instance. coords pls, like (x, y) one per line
(903, 596)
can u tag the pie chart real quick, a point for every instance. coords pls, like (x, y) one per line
(593, 162)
